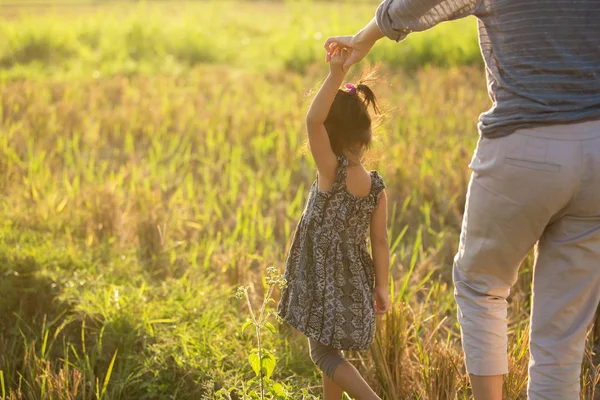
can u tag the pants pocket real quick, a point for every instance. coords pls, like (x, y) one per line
(535, 165)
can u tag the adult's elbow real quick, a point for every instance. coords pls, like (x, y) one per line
(390, 24)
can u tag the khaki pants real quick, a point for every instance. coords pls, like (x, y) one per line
(536, 187)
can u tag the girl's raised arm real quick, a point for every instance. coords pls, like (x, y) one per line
(320, 146)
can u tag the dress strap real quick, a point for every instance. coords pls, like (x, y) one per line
(377, 186)
(341, 171)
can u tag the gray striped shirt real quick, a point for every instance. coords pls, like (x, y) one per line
(542, 57)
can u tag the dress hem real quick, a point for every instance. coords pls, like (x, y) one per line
(317, 339)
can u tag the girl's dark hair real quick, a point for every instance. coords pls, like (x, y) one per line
(348, 123)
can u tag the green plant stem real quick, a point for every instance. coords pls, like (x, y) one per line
(260, 367)
(258, 328)
(251, 310)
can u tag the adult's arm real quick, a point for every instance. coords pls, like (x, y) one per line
(396, 19)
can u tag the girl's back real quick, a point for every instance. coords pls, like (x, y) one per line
(358, 181)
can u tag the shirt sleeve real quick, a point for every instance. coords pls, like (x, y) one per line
(398, 18)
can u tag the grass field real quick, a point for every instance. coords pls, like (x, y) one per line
(170, 37)
(153, 160)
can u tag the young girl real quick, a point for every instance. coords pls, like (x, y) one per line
(334, 286)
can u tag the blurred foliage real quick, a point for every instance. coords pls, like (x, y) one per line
(170, 38)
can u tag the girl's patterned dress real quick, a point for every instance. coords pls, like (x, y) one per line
(330, 272)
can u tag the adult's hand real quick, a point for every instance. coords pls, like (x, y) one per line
(357, 50)
(358, 45)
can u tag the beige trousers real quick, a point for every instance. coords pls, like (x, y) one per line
(536, 187)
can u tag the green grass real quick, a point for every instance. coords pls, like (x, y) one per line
(169, 38)
(137, 200)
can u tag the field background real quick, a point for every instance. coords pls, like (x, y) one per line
(153, 159)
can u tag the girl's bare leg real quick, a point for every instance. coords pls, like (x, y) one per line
(331, 390)
(338, 374)
(348, 378)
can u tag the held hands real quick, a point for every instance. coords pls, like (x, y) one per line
(337, 59)
(382, 300)
(358, 46)
(354, 51)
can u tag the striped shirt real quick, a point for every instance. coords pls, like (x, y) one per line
(542, 57)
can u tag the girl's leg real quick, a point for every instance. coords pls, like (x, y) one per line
(348, 378)
(331, 390)
(339, 374)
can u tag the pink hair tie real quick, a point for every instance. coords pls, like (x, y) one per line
(351, 88)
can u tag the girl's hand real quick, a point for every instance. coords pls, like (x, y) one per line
(382, 300)
(358, 45)
(338, 59)
(356, 51)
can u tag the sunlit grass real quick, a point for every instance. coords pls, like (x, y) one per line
(136, 200)
(170, 37)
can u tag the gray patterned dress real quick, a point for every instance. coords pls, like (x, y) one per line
(329, 270)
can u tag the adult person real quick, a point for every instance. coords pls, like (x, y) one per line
(535, 180)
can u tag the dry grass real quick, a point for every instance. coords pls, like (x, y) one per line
(158, 184)
(138, 203)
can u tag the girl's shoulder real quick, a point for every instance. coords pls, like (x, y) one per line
(377, 183)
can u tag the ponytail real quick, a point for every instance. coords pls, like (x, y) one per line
(369, 99)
